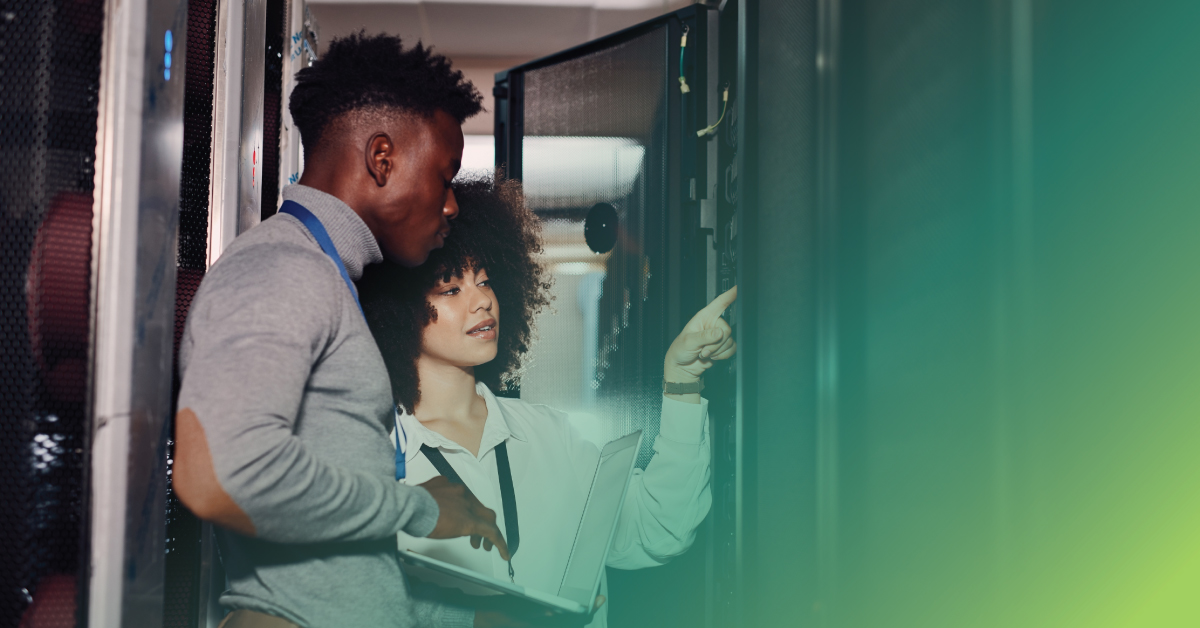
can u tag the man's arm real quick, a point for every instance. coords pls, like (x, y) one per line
(459, 512)
(195, 482)
(258, 325)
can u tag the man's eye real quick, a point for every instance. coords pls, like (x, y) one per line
(446, 183)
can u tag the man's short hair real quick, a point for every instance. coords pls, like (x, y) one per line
(360, 72)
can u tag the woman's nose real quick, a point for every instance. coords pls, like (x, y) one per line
(483, 301)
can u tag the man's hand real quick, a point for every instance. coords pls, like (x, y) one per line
(461, 514)
(705, 338)
(501, 611)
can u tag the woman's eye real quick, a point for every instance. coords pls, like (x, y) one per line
(486, 283)
(450, 291)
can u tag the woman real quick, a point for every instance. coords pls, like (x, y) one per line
(454, 331)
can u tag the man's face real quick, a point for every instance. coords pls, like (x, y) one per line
(416, 209)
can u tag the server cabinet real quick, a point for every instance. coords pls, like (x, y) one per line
(604, 139)
(239, 149)
(139, 150)
(122, 124)
(49, 81)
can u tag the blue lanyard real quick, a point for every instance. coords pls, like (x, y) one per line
(314, 226)
(299, 212)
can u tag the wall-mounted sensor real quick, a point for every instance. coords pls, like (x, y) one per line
(600, 228)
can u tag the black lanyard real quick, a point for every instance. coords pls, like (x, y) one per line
(507, 495)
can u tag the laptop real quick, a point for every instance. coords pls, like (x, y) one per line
(585, 565)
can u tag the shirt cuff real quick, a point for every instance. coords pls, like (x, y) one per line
(683, 422)
(425, 512)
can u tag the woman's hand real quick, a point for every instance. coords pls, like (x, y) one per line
(705, 338)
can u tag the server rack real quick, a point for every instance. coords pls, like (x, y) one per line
(48, 111)
(645, 91)
(240, 150)
(139, 149)
(121, 124)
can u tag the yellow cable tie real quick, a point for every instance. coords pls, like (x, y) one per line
(683, 86)
(711, 129)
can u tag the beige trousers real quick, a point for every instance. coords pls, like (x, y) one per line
(243, 618)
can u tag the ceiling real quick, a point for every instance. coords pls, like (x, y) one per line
(483, 37)
(485, 29)
(597, 4)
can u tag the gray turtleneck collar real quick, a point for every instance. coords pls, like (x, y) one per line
(355, 243)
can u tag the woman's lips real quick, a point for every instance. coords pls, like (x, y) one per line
(484, 331)
(485, 334)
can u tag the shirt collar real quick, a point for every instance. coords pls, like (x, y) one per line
(355, 243)
(497, 429)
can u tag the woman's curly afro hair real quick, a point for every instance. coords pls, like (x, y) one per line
(360, 72)
(495, 232)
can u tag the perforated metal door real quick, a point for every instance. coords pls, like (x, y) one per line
(595, 132)
(49, 80)
(605, 129)
(182, 573)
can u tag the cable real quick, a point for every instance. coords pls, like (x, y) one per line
(683, 86)
(712, 129)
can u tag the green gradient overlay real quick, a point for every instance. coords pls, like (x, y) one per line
(1008, 284)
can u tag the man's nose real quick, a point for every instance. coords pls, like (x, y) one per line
(450, 209)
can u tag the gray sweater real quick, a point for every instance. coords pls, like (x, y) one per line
(294, 398)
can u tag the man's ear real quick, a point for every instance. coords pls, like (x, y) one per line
(380, 155)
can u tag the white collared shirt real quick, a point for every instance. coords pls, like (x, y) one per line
(552, 467)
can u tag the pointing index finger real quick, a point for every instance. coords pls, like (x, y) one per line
(722, 302)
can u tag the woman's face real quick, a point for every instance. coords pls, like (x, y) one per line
(468, 321)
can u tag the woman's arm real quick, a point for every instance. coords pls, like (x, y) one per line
(668, 501)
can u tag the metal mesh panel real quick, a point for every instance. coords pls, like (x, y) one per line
(49, 81)
(272, 105)
(197, 134)
(182, 571)
(183, 541)
(595, 132)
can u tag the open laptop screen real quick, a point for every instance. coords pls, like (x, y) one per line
(599, 520)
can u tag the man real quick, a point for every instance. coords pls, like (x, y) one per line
(282, 433)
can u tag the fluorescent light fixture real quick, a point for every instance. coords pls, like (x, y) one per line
(576, 268)
(566, 171)
(479, 154)
(579, 171)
